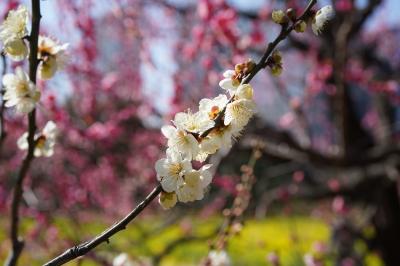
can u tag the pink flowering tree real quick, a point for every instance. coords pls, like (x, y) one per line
(87, 88)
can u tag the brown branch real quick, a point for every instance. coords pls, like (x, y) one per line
(177, 242)
(85, 247)
(17, 242)
(82, 249)
(285, 31)
(241, 201)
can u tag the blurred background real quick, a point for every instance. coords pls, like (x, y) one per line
(325, 190)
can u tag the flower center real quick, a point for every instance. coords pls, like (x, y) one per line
(214, 112)
(174, 169)
(40, 142)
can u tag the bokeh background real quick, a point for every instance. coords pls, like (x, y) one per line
(326, 188)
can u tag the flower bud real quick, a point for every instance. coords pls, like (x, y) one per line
(291, 14)
(168, 200)
(279, 17)
(276, 57)
(300, 26)
(276, 70)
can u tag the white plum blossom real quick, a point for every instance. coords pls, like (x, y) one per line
(52, 55)
(171, 170)
(244, 91)
(194, 123)
(167, 200)
(122, 260)
(212, 107)
(12, 32)
(219, 258)
(321, 18)
(195, 183)
(238, 113)
(219, 138)
(181, 141)
(45, 141)
(229, 83)
(20, 91)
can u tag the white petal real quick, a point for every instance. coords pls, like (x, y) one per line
(160, 168)
(169, 184)
(22, 142)
(168, 131)
(50, 129)
(229, 73)
(227, 84)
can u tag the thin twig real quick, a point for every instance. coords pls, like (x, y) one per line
(241, 201)
(82, 249)
(17, 242)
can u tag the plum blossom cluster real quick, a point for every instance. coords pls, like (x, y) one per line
(19, 90)
(318, 20)
(196, 135)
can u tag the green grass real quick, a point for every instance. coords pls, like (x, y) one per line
(289, 237)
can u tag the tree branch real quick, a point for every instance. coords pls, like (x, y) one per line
(85, 247)
(82, 249)
(17, 242)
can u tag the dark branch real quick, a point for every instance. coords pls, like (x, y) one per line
(85, 247)
(17, 242)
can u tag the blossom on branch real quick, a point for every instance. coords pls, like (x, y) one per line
(20, 91)
(212, 107)
(230, 82)
(181, 141)
(44, 142)
(194, 123)
(233, 78)
(195, 136)
(52, 56)
(219, 138)
(196, 181)
(171, 170)
(12, 31)
(238, 113)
